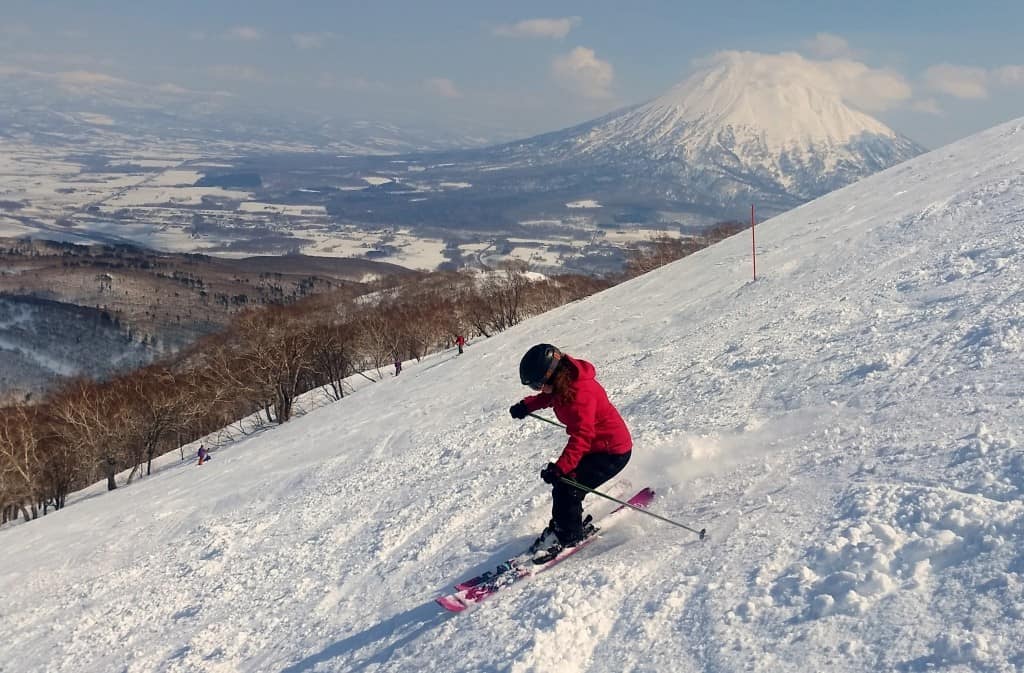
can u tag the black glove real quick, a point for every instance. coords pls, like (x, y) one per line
(551, 474)
(518, 411)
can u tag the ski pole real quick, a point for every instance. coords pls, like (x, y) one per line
(546, 420)
(575, 484)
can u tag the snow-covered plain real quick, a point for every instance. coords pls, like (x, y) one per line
(281, 209)
(848, 427)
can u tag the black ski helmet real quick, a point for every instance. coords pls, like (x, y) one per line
(538, 365)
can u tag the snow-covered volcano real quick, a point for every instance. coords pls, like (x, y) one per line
(775, 104)
(745, 127)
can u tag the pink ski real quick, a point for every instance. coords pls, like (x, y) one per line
(478, 588)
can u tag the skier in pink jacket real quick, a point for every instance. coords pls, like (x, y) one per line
(599, 443)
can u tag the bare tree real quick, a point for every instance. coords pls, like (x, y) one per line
(659, 251)
(498, 303)
(84, 437)
(334, 354)
(157, 405)
(19, 462)
(378, 338)
(277, 358)
(663, 249)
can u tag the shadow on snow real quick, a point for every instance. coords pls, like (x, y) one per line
(380, 641)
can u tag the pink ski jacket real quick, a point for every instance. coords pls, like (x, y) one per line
(592, 423)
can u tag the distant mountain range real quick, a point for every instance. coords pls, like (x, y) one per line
(46, 109)
(743, 129)
(734, 133)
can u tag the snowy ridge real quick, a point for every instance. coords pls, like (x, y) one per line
(847, 428)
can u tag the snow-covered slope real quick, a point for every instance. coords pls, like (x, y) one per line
(848, 428)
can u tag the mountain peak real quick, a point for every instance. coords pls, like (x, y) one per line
(789, 100)
(777, 129)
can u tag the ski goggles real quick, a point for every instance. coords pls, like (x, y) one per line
(537, 385)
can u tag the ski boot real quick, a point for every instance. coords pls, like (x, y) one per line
(545, 548)
(547, 538)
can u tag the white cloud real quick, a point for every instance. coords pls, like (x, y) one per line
(871, 89)
(328, 80)
(237, 73)
(1009, 75)
(13, 30)
(582, 72)
(928, 106)
(244, 33)
(168, 87)
(879, 89)
(76, 60)
(971, 83)
(85, 78)
(550, 28)
(829, 45)
(73, 80)
(311, 40)
(94, 82)
(442, 86)
(958, 81)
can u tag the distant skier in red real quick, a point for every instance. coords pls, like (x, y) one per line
(599, 442)
(460, 341)
(203, 454)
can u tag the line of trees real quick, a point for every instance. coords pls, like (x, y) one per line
(91, 430)
(255, 369)
(662, 249)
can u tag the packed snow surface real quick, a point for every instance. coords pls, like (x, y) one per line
(847, 427)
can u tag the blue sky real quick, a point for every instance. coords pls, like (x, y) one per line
(523, 67)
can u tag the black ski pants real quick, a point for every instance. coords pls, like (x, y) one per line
(593, 470)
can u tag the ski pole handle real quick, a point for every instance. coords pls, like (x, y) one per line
(575, 484)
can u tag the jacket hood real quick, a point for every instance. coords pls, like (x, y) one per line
(586, 370)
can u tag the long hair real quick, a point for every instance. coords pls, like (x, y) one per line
(562, 380)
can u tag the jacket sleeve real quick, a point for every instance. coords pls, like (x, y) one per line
(535, 402)
(580, 424)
